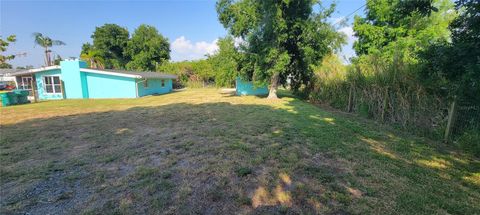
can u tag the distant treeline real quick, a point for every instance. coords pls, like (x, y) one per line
(219, 69)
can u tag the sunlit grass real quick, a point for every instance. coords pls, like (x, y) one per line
(200, 151)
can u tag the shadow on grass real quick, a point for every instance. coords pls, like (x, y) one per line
(219, 158)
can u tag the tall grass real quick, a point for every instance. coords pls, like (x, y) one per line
(331, 84)
(384, 91)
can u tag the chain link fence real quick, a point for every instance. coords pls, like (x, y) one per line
(466, 121)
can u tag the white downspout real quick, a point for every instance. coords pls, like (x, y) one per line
(16, 83)
(136, 87)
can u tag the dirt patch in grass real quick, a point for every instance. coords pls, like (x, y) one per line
(201, 152)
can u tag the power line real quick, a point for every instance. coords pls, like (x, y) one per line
(345, 17)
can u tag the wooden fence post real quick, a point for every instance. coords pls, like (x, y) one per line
(350, 99)
(451, 119)
(385, 103)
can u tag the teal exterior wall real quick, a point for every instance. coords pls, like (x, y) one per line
(154, 87)
(244, 88)
(109, 86)
(83, 84)
(74, 81)
(42, 95)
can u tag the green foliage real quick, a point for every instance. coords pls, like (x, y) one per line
(113, 48)
(283, 38)
(394, 28)
(204, 71)
(110, 40)
(330, 82)
(4, 43)
(413, 58)
(221, 68)
(181, 69)
(192, 74)
(469, 141)
(46, 42)
(93, 57)
(147, 48)
(3, 47)
(57, 60)
(389, 93)
(225, 63)
(5, 66)
(383, 82)
(455, 66)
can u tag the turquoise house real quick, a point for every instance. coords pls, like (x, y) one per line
(244, 88)
(73, 80)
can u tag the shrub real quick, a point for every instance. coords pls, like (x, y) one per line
(469, 141)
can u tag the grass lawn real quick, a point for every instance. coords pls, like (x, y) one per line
(202, 152)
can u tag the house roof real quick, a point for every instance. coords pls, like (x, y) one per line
(31, 71)
(10, 72)
(123, 73)
(130, 74)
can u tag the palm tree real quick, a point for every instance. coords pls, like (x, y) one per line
(94, 59)
(46, 43)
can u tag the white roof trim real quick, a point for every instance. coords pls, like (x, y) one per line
(110, 73)
(7, 78)
(44, 69)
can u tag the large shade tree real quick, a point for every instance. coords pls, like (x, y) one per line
(147, 49)
(455, 65)
(466, 45)
(110, 41)
(225, 62)
(283, 38)
(113, 48)
(399, 26)
(46, 42)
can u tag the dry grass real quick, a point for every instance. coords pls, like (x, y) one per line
(203, 152)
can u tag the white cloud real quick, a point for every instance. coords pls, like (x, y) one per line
(347, 50)
(349, 32)
(184, 49)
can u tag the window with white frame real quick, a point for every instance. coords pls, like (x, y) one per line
(145, 83)
(163, 83)
(26, 83)
(52, 84)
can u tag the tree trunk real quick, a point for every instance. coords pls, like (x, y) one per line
(272, 94)
(47, 63)
(49, 57)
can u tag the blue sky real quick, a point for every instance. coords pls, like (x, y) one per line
(191, 26)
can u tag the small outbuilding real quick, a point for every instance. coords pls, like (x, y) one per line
(73, 80)
(244, 88)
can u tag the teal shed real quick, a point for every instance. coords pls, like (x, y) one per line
(73, 80)
(244, 88)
